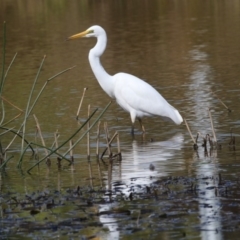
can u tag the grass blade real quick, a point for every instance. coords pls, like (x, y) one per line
(5, 162)
(19, 135)
(29, 99)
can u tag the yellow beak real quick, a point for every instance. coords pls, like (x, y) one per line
(79, 35)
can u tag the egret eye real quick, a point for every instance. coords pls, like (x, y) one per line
(91, 31)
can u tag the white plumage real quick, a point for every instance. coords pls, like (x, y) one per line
(133, 94)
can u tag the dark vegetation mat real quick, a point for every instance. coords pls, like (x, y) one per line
(168, 204)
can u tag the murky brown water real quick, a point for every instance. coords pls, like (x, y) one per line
(185, 49)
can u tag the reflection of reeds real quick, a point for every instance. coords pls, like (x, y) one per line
(41, 137)
(119, 148)
(212, 126)
(97, 144)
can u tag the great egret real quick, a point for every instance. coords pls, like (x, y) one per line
(133, 94)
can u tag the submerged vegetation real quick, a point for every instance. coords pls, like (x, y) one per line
(20, 132)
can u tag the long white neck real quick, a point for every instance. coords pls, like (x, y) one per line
(105, 80)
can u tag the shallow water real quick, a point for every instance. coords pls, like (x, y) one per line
(186, 50)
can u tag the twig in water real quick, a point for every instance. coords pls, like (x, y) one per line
(81, 101)
(109, 143)
(229, 110)
(55, 143)
(213, 131)
(41, 137)
(195, 146)
(17, 133)
(8, 146)
(4, 99)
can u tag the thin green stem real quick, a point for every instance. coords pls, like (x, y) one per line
(29, 99)
(5, 162)
(83, 135)
(45, 84)
(19, 135)
(21, 158)
(73, 135)
(27, 113)
(51, 150)
(56, 149)
(5, 76)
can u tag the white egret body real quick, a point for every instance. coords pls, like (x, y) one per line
(133, 94)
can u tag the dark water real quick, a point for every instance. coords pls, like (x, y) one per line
(185, 49)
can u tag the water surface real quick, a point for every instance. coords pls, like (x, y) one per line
(185, 49)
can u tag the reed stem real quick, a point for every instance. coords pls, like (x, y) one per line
(5, 76)
(5, 162)
(81, 101)
(221, 102)
(41, 137)
(29, 100)
(213, 131)
(104, 110)
(188, 128)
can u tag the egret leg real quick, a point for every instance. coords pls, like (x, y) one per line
(132, 130)
(140, 121)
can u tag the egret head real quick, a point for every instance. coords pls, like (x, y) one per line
(93, 31)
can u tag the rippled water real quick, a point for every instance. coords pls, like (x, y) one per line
(186, 49)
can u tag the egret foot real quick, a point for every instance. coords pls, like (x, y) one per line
(142, 127)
